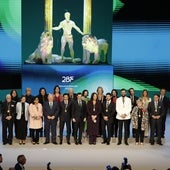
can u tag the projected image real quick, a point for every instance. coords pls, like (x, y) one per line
(69, 31)
(10, 44)
(141, 38)
(78, 77)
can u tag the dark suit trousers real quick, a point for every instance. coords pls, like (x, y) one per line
(139, 135)
(156, 124)
(51, 126)
(126, 129)
(7, 131)
(68, 126)
(78, 126)
(106, 130)
(163, 125)
(114, 128)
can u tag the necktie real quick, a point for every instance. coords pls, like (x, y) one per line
(65, 104)
(156, 106)
(107, 104)
(79, 102)
(51, 105)
(161, 98)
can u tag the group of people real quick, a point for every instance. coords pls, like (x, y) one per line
(100, 115)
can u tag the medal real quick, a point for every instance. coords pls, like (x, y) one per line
(106, 110)
(8, 111)
(65, 110)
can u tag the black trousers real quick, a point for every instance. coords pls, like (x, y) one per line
(106, 130)
(68, 126)
(139, 135)
(163, 125)
(124, 123)
(35, 135)
(114, 129)
(133, 130)
(7, 131)
(51, 126)
(78, 130)
(156, 124)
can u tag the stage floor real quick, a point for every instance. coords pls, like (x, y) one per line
(89, 157)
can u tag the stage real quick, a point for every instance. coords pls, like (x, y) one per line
(91, 157)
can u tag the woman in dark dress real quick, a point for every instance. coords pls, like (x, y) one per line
(22, 119)
(101, 98)
(43, 97)
(93, 115)
(15, 99)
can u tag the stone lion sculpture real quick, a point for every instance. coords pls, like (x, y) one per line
(97, 47)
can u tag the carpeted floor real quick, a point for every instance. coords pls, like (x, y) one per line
(89, 157)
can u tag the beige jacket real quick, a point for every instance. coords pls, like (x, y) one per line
(35, 117)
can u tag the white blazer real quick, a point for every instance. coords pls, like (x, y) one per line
(19, 110)
(123, 108)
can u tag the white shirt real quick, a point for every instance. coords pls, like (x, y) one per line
(123, 108)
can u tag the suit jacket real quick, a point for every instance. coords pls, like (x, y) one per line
(123, 108)
(65, 111)
(166, 103)
(35, 112)
(152, 110)
(73, 98)
(110, 111)
(19, 167)
(91, 111)
(19, 110)
(134, 101)
(29, 99)
(1, 168)
(135, 118)
(79, 112)
(47, 111)
(4, 110)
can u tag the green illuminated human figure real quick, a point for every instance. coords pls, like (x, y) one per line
(67, 36)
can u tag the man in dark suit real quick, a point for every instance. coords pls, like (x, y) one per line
(65, 118)
(156, 112)
(78, 117)
(133, 99)
(108, 112)
(51, 112)
(72, 97)
(21, 160)
(166, 103)
(8, 114)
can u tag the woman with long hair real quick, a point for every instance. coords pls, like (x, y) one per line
(35, 120)
(22, 110)
(93, 115)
